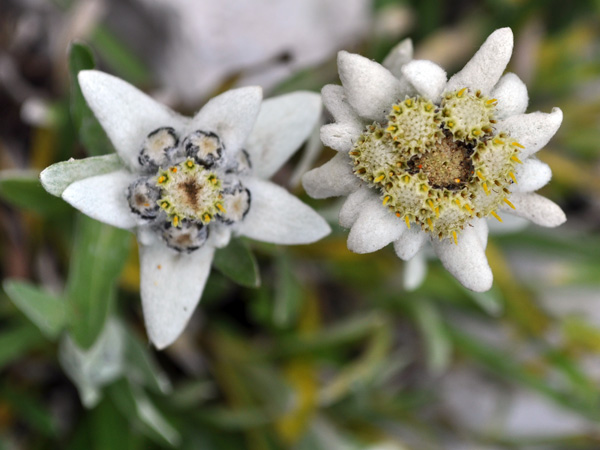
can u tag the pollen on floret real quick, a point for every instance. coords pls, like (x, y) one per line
(439, 166)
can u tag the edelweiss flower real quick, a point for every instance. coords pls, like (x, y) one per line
(426, 159)
(186, 184)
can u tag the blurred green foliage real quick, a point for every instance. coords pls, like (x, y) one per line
(329, 352)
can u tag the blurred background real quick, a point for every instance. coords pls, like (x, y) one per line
(334, 351)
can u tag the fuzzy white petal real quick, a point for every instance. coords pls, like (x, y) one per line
(370, 88)
(409, 244)
(57, 177)
(126, 113)
(536, 208)
(401, 54)
(533, 130)
(340, 136)
(220, 235)
(374, 228)
(532, 175)
(231, 116)
(414, 272)
(512, 97)
(281, 127)
(103, 198)
(427, 78)
(466, 260)
(485, 68)
(480, 226)
(332, 179)
(278, 217)
(335, 101)
(354, 204)
(171, 287)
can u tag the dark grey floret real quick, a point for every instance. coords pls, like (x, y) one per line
(240, 164)
(143, 196)
(205, 148)
(160, 149)
(187, 237)
(236, 201)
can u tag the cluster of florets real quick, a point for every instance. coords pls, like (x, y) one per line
(189, 183)
(439, 165)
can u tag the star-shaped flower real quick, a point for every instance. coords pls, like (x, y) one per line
(423, 158)
(185, 185)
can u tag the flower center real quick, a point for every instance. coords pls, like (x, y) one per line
(189, 186)
(439, 165)
(191, 192)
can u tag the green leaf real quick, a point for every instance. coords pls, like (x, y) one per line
(110, 430)
(141, 366)
(16, 341)
(30, 409)
(91, 134)
(288, 296)
(237, 262)
(134, 404)
(59, 176)
(46, 311)
(121, 59)
(24, 190)
(432, 327)
(99, 254)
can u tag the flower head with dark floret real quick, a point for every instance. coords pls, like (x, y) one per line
(423, 158)
(185, 185)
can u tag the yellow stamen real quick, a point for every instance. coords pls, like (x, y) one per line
(406, 219)
(468, 208)
(437, 211)
(173, 169)
(512, 176)
(480, 175)
(207, 218)
(175, 221)
(507, 201)
(430, 202)
(457, 202)
(450, 124)
(493, 213)
(461, 92)
(396, 108)
(498, 141)
(455, 238)
(190, 163)
(491, 100)
(485, 188)
(221, 208)
(391, 128)
(476, 132)
(430, 223)
(516, 144)
(162, 179)
(408, 102)
(515, 159)
(386, 200)
(379, 178)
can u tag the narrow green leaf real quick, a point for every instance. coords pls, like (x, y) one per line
(24, 190)
(121, 59)
(46, 311)
(141, 367)
(288, 296)
(110, 429)
(432, 327)
(237, 262)
(59, 176)
(30, 409)
(16, 341)
(91, 134)
(133, 403)
(99, 254)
